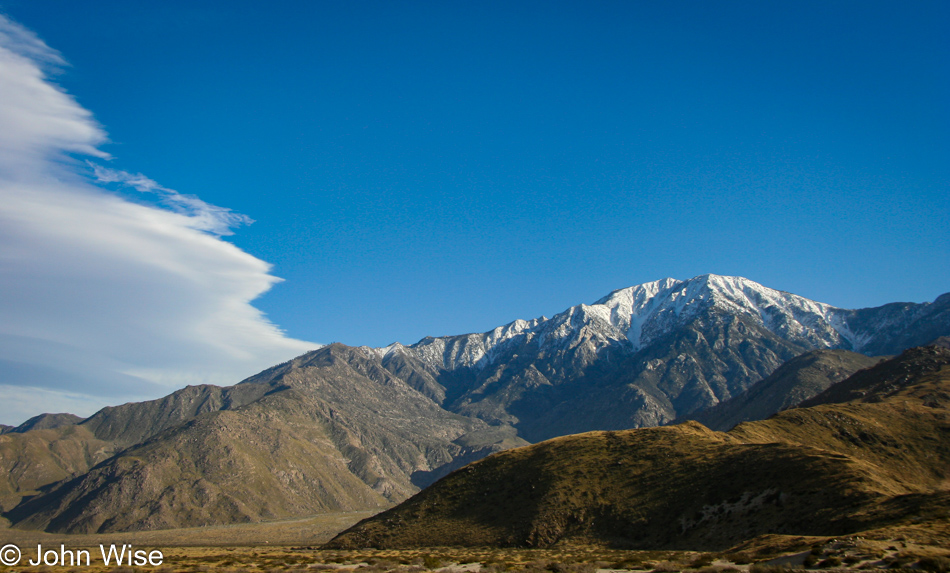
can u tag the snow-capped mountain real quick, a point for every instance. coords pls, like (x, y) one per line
(671, 346)
(344, 427)
(644, 313)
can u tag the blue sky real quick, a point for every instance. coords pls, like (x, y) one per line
(436, 168)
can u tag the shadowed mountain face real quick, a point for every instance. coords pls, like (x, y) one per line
(833, 469)
(798, 379)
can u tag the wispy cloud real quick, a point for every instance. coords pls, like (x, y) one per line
(204, 216)
(105, 299)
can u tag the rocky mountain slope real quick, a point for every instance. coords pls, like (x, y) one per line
(837, 468)
(332, 430)
(33, 459)
(800, 378)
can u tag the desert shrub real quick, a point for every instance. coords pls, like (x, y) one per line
(737, 558)
(431, 561)
(851, 559)
(537, 566)
(571, 567)
(830, 562)
(899, 562)
(935, 564)
(495, 564)
(667, 567)
(702, 561)
(383, 567)
(767, 568)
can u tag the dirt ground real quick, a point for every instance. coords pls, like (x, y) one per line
(294, 545)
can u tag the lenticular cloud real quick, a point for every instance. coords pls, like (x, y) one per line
(104, 300)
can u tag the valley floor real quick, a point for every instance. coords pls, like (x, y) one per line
(305, 531)
(294, 546)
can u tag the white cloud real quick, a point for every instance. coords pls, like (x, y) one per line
(105, 300)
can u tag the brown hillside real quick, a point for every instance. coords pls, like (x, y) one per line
(830, 470)
(48, 422)
(268, 461)
(33, 459)
(337, 432)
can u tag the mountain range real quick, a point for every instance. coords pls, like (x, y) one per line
(645, 355)
(354, 428)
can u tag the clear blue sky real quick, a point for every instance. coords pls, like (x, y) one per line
(432, 168)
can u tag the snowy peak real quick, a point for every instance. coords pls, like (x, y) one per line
(646, 312)
(467, 350)
(646, 354)
(637, 316)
